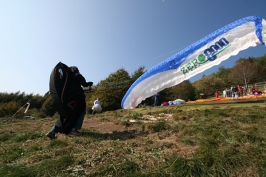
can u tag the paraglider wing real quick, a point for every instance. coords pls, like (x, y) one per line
(203, 54)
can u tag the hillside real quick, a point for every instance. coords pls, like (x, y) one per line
(201, 139)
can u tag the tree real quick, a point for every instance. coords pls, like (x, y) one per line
(244, 72)
(262, 65)
(209, 85)
(9, 109)
(184, 91)
(36, 101)
(111, 90)
(141, 70)
(261, 60)
(47, 108)
(223, 74)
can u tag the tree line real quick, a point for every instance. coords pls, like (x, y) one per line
(111, 90)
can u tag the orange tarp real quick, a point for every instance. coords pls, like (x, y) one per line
(227, 98)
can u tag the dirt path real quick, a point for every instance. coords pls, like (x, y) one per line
(97, 124)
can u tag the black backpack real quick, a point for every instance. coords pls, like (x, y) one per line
(67, 103)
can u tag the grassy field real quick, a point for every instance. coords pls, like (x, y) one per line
(221, 139)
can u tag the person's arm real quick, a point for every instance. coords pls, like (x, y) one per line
(82, 81)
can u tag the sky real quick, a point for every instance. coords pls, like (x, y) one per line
(101, 37)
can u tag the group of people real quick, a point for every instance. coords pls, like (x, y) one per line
(234, 92)
(255, 91)
(238, 91)
(68, 99)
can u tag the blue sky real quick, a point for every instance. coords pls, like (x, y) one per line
(100, 37)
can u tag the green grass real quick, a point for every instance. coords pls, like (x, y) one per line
(197, 140)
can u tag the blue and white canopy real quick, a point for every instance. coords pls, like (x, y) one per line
(203, 54)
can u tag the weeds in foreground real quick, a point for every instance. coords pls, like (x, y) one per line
(213, 141)
(156, 127)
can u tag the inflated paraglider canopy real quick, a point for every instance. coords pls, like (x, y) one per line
(203, 54)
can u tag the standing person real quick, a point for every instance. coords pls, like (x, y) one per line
(253, 90)
(234, 93)
(68, 98)
(240, 90)
(224, 93)
(217, 94)
(156, 99)
(96, 106)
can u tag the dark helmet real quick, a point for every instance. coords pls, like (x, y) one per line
(74, 69)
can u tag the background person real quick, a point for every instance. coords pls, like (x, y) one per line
(217, 94)
(224, 93)
(234, 93)
(240, 91)
(156, 99)
(96, 106)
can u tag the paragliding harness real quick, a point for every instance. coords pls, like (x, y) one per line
(67, 98)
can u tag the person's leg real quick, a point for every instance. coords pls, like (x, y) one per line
(155, 102)
(236, 95)
(79, 123)
(52, 133)
(53, 129)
